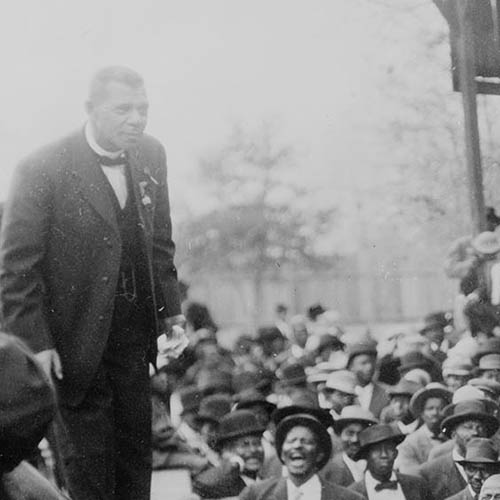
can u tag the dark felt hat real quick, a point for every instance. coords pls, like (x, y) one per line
(268, 334)
(377, 434)
(365, 347)
(293, 374)
(250, 398)
(471, 409)
(237, 424)
(214, 407)
(480, 451)
(437, 321)
(303, 404)
(415, 359)
(307, 420)
(432, 390)
(190, 398)
(353, 414)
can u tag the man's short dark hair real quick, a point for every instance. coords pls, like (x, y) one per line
(120, 74)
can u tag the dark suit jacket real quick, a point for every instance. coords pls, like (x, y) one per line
(442, 476)
(60, 252)
(465, 494)
(380, 399)
(414, 488)
(219, 482)
(275, 489)
(338, 472)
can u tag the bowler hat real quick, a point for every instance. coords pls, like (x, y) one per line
(415, 359)
(293, 374)
(250, 398)
(377, 434)
(214, 407)
(343, 381)
(324, 440)
(237, 424)
(486, 243)
(487, 385)
(353, 414)
(356, 349)
(471, 409)
(432, 390)
(480, 451)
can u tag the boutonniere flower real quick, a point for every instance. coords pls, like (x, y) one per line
(145, 198)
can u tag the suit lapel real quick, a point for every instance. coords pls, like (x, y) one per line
(280, 490)
(92, 182)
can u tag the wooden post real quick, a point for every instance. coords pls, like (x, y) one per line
(468, 87)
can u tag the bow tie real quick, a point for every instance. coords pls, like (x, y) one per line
(386, 485)
(106, 161)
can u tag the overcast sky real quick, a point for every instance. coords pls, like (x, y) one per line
(311, 67)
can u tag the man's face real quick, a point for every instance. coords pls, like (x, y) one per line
(350, 438)
(491, 375)
(477, 474)
(490, 493)
(363, 366)
(119, 117)
(400, 406)
(467, 430)
(454, 382)
(300, 453)
(300, 334)
(431, 414)
(337, 400)
(250, 449)
(380, 459)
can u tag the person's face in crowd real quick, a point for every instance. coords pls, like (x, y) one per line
(435, 336)
(467, 430)
(491, 375)
(490, 493)
(477, 474)
(454, 382)
(119, 116)
(350, 438)
(363, 366)
(432, 412)
(301, 453)
(300, 334)
(250, 449)
(337, 400)
(400, 404)
(380, 460)
(209, 353)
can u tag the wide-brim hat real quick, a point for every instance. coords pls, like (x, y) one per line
(377, 434)
(486, 243)
(213, 408)
(415, 359)
(353, 414)
(432, 390)
(472, 409)
(490, 361)
(238, 423)
(321, 414)
(490, 346)
(251, 398)
(488, 385)
(306, 420)
(480, 451)
(293, 374)
(342, 380)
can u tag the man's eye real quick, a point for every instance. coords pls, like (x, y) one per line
(123, 109)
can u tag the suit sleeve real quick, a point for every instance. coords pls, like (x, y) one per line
(164, 270)
(248, 494)
(23, 242)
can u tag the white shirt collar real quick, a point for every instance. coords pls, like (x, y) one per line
(311, 489)
(90, 136)
(365, 395)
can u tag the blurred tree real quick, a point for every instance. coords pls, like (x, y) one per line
(262, 220)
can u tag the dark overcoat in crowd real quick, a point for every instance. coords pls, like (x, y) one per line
(442, 476)
(338, 472)
(275, 489)
(414, 488)
(465, 494)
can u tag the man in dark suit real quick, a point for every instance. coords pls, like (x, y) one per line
(304, 447)
(362, 358)
(87, 279)
(344, 470)
(378, 446)
(465, 420)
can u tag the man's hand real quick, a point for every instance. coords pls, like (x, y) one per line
(51, 364)
(174, 340)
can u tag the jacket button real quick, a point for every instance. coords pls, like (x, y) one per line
(105, 279)
(101, 318)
